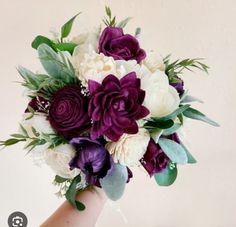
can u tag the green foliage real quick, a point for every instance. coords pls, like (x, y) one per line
(66, 28)
(124, 22)
(168, 176)
(137, 32)
(109, 21)
(197, 115)
(72, 192)
(189, 99)
(65, 47)
(173, 150)
(172, 129)
(191, 159)
(176, 68)
(152, 124)
(63, 185)
(40, 40)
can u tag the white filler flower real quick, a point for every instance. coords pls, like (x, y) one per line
(130, 148)
(161, 99)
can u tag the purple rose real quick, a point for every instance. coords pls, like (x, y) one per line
(154, 160)
(115, 105)
(178, 85)
(113, 42)
(91, 158)
(68, 112)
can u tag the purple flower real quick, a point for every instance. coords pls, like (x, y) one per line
(178, 85)
(68, 112)
(91, 158)
(113, 42)
(38, 104)
(115, 105)
(154, 160)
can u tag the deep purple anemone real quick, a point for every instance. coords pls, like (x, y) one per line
(115, 105)
(91, 158)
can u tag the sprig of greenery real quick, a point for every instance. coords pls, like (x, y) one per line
(176, 68)
(109, 21)
(37, 139)
(63, 185)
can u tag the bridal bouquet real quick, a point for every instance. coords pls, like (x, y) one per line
(104, 105)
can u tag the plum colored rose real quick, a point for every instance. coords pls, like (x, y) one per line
(91, 158)
(154, 160)
(68, 112)
(113, 42)
(115, 105)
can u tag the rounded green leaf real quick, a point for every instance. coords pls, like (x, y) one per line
(167, 176)
(114, 183)
(173, 150)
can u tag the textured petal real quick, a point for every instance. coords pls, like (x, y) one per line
(93, 87)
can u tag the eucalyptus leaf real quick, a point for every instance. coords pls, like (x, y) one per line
(171, 130)
(167, 177)
(197, 115)
(66, 28)
(114, 183)
(57, 65)
(173, 150)
(40, 40)
(189, 98)
(72, 192)
(191, 159)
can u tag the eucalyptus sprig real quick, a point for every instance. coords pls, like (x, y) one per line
(176, 68)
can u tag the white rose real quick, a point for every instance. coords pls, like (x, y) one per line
(58, 159)
(130, 148)
(161, 99)
(154, 62)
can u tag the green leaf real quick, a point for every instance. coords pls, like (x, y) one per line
(191, 159)
(171, 130)
(24, 130)
(189, 98)
(161, 124)
(197, 115)
(173, 150)
(40, 40)
(10, 142)
(66, 47)
(19, 136)
(72, 192)
(57, 65)
(137, 32)
(66, 28)
(124, 22)
(59, 179)
(114, 183)
(173, 115)
(167, 177)
(35, 132)
(108, 11)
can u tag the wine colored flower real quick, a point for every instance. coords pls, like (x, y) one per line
(115, 105)
(68, 112)
(154, 160)
(178, 85)
(91, 158)
(113, 42)
(38, 104)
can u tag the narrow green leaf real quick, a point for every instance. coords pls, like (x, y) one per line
(189, 98)
(174, 114)
(72, 192)
(60, 179)
(24, 130)
(124, 22)
(191, 159)
(167, 177)
(161, 124)
(108, 11)
(137, 32)
(10, 142)
(35, 132)
(19, 136)
(197, 115)
(66, 28)
(173, 150)
(40, 40)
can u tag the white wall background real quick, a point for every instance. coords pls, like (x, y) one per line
(204, 194)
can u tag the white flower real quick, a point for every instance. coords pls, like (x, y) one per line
(58, 159)
(161, 99)
(130, 148)
(154, 62)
